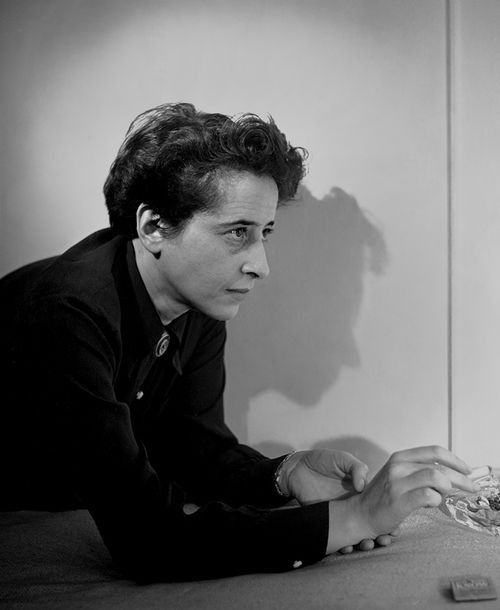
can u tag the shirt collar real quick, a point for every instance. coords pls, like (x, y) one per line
(176, 328)
(152, 327)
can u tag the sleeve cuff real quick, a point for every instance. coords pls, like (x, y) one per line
(300, 532)
(265, 472)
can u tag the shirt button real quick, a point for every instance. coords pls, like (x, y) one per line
(139, 395)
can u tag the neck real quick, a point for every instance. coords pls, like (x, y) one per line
(167, 307)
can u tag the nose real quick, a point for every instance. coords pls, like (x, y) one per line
(256, 264)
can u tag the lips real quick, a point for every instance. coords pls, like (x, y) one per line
(239, 290)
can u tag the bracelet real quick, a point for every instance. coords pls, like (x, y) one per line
(279, 472)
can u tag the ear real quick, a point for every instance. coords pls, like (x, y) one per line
(149, 229)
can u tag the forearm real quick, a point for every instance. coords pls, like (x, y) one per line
(243, 476)
(153, 539)
(215, 541)
(206, 459)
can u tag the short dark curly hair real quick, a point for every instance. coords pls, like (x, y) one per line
(173, 155)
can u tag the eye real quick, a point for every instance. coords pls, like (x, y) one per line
(239, 233)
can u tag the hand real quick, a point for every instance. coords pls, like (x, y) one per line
(409, 480)
(412, 479)
(318, 475)
(368, 544)
(314, 476)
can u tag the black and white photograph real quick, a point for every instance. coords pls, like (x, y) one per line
(250, 304)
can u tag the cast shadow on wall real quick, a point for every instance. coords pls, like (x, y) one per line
(296, 331)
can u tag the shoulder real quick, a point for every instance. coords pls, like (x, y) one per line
(87, 268)
(82, 271)
(83, 284)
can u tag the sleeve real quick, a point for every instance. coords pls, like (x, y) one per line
(149, 537)
(210, 462)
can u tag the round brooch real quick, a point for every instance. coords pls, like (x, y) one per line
(162, 345)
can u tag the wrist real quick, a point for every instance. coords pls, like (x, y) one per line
(282, 474)
(346, 525)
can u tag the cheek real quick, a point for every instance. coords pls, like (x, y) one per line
(203, 277)
(216, 267)
(208, 268)
(201, 261)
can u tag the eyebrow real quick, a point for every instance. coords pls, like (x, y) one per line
(245, 223)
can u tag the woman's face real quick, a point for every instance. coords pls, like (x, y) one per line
(213, 263)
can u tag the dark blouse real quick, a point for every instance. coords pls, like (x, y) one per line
(105, 408)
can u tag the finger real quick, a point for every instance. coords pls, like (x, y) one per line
(346, 550)
(410, 475)
(384, 540)
(440, 478)
(458, 480)
(344, 464)
(432, 454)
(366, 545)
(480, 471)
(396, 532)
(428, 477)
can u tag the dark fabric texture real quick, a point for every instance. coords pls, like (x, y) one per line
(96, 416)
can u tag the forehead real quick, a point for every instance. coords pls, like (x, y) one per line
(243, 194)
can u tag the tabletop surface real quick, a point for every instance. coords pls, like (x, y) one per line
(57, 560)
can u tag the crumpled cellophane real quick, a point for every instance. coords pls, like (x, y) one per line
(481, 510)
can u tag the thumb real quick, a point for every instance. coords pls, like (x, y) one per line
(359, 475)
